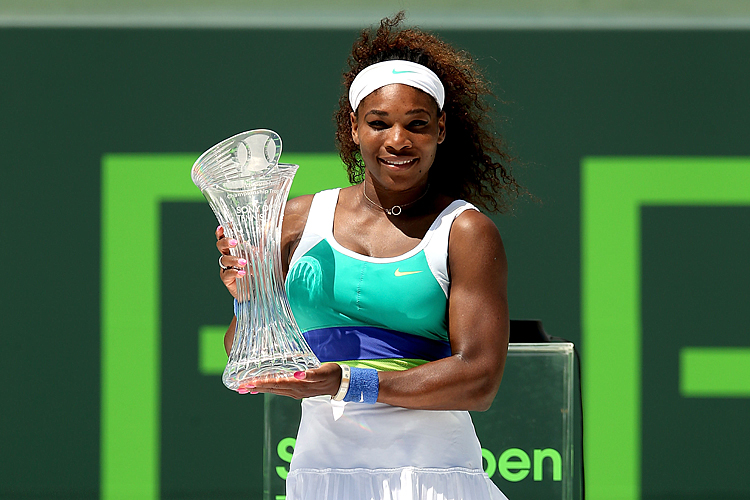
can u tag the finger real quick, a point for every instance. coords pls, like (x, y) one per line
(229, 261)
(268, 381)
(296, 392)
(219, 233)
(288, 394)
(225, 245)
(276, 384)
(230, 276)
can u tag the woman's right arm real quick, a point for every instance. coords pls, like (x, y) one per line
(295, 218)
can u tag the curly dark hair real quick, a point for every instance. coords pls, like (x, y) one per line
(484, 177)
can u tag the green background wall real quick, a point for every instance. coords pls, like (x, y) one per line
(70, 96)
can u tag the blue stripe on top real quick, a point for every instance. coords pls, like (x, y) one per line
(366, 342)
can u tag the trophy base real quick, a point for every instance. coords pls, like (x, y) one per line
(240, 374)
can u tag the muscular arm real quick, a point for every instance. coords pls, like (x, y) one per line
(478, 326)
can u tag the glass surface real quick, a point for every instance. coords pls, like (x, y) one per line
(247, 190)
(532, 416)
(526, 436)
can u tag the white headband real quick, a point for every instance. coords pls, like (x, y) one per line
(385, 73)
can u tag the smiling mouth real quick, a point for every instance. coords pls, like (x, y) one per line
(399, 163)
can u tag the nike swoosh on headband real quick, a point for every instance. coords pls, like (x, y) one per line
(404, 273)
(399, 72)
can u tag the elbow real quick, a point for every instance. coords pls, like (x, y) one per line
(484, 394)
(483, 401)
(481, 408)
(482, 382)
(483, 405)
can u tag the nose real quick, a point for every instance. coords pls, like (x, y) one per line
(398, 138)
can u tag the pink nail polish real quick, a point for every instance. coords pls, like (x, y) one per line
(241, 262)
(299, 375)
(241, 273)
(254, 392)
(232, 242)
(242, 390)
(218, 227)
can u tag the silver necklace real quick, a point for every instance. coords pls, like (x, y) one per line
(395, 209)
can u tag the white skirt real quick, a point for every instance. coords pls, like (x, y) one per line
(355, 451)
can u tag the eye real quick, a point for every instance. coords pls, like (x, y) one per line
(418, 123)
(377, 124)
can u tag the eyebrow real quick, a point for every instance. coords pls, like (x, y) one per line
(415, 111)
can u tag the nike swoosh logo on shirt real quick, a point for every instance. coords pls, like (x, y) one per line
(399, 273)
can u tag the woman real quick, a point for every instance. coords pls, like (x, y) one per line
(398, 284)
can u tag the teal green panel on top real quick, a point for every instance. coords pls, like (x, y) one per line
(320, 301)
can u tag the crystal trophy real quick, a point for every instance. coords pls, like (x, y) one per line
(247, 188)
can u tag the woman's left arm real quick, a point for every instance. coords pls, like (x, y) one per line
(478, 326)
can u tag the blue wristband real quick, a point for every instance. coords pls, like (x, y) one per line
(364, 386)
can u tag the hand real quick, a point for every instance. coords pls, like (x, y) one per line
(304, 384)
(235, 265)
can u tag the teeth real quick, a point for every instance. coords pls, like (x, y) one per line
(398, 163)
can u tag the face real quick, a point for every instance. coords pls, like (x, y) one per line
(398, 129)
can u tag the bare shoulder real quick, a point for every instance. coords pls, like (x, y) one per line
(472, 227)
(299, 204)
(295, 213)
(474, 238)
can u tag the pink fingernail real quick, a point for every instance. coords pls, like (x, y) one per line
(242, 390)
(242, 262)
(218, 227)
(232, 242)
(241, 273)
(254, 392)
(299, 375)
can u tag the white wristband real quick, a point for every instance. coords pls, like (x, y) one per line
(344, 387)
